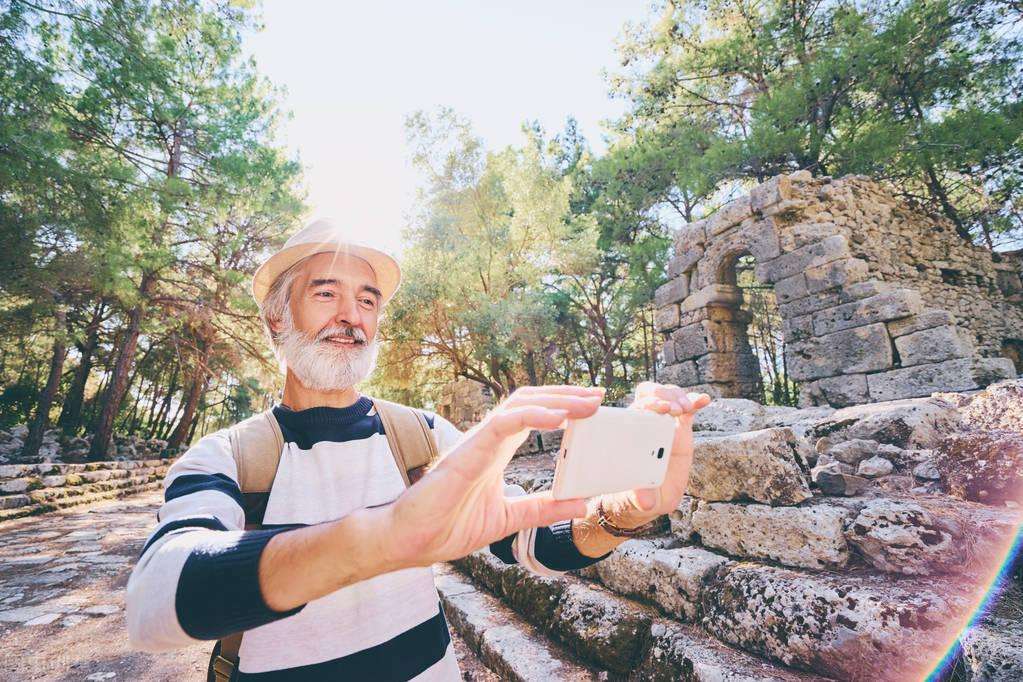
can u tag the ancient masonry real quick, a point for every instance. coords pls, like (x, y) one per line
(878, 301)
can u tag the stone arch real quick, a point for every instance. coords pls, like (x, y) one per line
(838, 256)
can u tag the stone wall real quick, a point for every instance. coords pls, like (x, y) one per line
(878, 301)
(27, 489)
(465, 402)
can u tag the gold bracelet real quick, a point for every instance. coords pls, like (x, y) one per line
(616, 531)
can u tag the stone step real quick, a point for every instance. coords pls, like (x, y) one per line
(856, 624)
(83, 495)
(893, 532)
(615, 633)
(506, 643)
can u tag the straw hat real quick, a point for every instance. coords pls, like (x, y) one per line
(322, 236)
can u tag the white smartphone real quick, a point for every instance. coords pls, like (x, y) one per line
(616, 449)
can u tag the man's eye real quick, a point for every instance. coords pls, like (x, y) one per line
(324, 293)
(369, 301)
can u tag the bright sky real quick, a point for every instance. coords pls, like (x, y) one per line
(353, 71)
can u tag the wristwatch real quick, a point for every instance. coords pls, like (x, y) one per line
(614, 530)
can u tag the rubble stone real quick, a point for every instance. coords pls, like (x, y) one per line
(765, 466)
(983, 467)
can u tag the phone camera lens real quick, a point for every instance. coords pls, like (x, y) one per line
(660, 453)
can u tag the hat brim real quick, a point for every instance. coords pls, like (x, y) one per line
(386, 269)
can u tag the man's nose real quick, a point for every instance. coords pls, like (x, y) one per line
(347, 312)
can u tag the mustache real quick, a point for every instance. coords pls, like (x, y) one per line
(354, 333)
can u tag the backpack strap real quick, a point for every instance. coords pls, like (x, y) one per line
(409, 437)
(256, 445)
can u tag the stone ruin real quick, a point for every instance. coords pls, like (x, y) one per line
(878, 301)
(464, 402)
(849, 539)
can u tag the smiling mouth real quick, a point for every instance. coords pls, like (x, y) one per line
(342, 341)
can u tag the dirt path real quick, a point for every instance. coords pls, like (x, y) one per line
(62, 578)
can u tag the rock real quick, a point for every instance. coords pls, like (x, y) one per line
(603, 629)
(983, 467)
(861, 349)
(831, 483)
(730, 415)
(993, 651)
(842, 626)
(933, 345)
(673, 579)
(765, 466)
(911, 423)
(805, 536)
(20, 432)
(927, 471)
(922, 380)
(886, 306)
(900, 537)
(853, 451)
(681, 519)
(874, 467)
(999, 406)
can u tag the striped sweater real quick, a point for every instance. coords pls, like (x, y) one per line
(197, 577)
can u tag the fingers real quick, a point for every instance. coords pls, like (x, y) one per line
(540, 509)
(577, 406)
(561, 390)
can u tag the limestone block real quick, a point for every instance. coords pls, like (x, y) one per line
(680, 374)
(788, 264)
(901, 537)
(606, 630)
(770, 193)
(933, 345)
(850, 351)
(17, 485)
(728, 366)
(836, 273)
(690, 236)
(801, 234)
(766, 466)
(925, 319)
(988, 371)
(713, 294)
(805, 536)
(790, 288)
(880, 308)
(842, 626)
(866, 289)
(684, 261)
(730, 415)
(667, 354)
(908, 424)
(789, 209)
(842, 391)
(762, 240)
(673, 579)
(667, 317)
(810, 304)
(690, 341)
(729, 215)
(673, 291)
(921, 380)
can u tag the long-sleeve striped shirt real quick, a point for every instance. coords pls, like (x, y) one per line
(197, 577)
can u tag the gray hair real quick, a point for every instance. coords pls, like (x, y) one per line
(276, 306)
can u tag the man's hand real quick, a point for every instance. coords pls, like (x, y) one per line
(459, 506)
(633, 508)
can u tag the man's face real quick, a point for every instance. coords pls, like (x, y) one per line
(329, 342)
(335, 290)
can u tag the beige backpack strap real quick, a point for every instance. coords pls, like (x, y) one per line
(410, 438)
(256, 446)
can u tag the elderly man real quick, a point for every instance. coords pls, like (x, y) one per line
(336, 583)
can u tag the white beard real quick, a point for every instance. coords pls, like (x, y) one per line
(324, 366)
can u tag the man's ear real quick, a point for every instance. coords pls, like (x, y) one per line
(275, 325)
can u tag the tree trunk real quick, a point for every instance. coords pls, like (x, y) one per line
(42, 417)
(119, 378)
(195, 391)
(70, 420)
